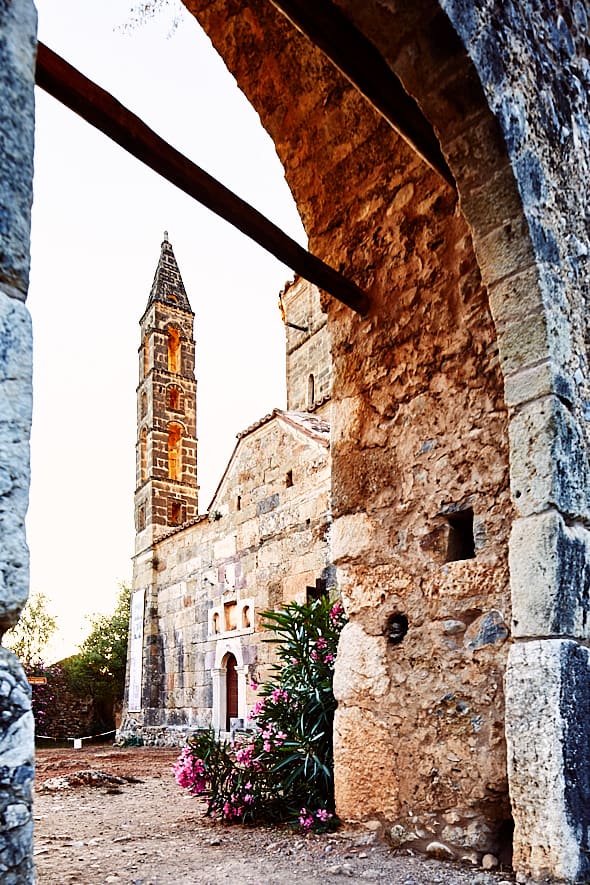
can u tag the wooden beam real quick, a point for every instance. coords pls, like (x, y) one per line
(322, 22)
(101, 110)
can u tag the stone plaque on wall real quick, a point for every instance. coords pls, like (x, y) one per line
(136, 651)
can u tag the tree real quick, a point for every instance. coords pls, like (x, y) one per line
(28, 639)
(99, 667)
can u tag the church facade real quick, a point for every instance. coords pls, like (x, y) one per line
(202, 579)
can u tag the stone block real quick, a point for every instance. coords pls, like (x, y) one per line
(516, 297)
(535, 382)
(505, 250)
(362, 674)
(550, 577)
(548, 742)
(523, 343)
(16, 755)
(365, 756)
(15, 424)
(549, 463)
(18, 27)
(351, 537)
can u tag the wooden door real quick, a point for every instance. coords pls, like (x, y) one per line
(231, 678)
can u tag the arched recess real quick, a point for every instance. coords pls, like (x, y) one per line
(174, 350)
(175, 435)
(143, 463)
(453, 280)
(227, 650)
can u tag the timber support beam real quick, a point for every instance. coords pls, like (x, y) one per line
(102, 110)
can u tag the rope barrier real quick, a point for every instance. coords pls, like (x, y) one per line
(46, 737)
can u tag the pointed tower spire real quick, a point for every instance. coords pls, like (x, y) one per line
(168, 286)
(166, 493)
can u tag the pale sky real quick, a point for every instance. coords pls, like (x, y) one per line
(98, 220)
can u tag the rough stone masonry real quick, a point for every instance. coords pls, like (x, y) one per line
(460, 406)
(18, 23)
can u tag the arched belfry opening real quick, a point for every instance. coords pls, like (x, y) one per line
(174, 350)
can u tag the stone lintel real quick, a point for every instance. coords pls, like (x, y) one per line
(548, 742)
(550, 577)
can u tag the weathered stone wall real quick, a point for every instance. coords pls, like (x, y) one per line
(263, 544)
(419, 433)
(533, 64)
(506, 87)
(17, 51)
(309, 362)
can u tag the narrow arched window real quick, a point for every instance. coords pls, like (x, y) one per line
(146, 355)
(143, 404)
(173, 349)
(175, 399)
(143, 454)
(310, 392)
(174, 451)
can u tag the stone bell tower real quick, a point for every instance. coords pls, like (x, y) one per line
(166, 490)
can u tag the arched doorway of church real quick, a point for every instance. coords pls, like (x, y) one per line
(231, 690)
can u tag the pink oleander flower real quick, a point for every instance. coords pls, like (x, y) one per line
(279, 694)
(323, 815)
(189, 772)
(245, 755)
(257, 709)
(321, 644)
(253, 685)
(329, 659)
(305, 819)
(336, 612)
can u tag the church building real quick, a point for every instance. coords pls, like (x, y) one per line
(202, 578)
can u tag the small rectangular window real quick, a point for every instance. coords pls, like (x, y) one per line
(175, 512)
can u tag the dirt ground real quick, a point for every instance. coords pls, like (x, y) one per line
(147, 831)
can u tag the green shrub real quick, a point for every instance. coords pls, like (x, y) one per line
(284, 768)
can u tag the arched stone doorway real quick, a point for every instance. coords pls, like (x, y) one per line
(228, 675)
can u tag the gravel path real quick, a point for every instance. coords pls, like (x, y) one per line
(152, 833)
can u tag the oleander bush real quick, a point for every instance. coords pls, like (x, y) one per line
(283, 768)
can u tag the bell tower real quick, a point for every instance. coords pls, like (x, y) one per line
(166, 490)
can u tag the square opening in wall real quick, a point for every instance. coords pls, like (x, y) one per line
(175, 513)
(461, 544)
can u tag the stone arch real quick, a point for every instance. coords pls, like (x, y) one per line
(224, 650)
(329, 144)
(174, 349)
(143, 455)
(175, 443)
(175, 398)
